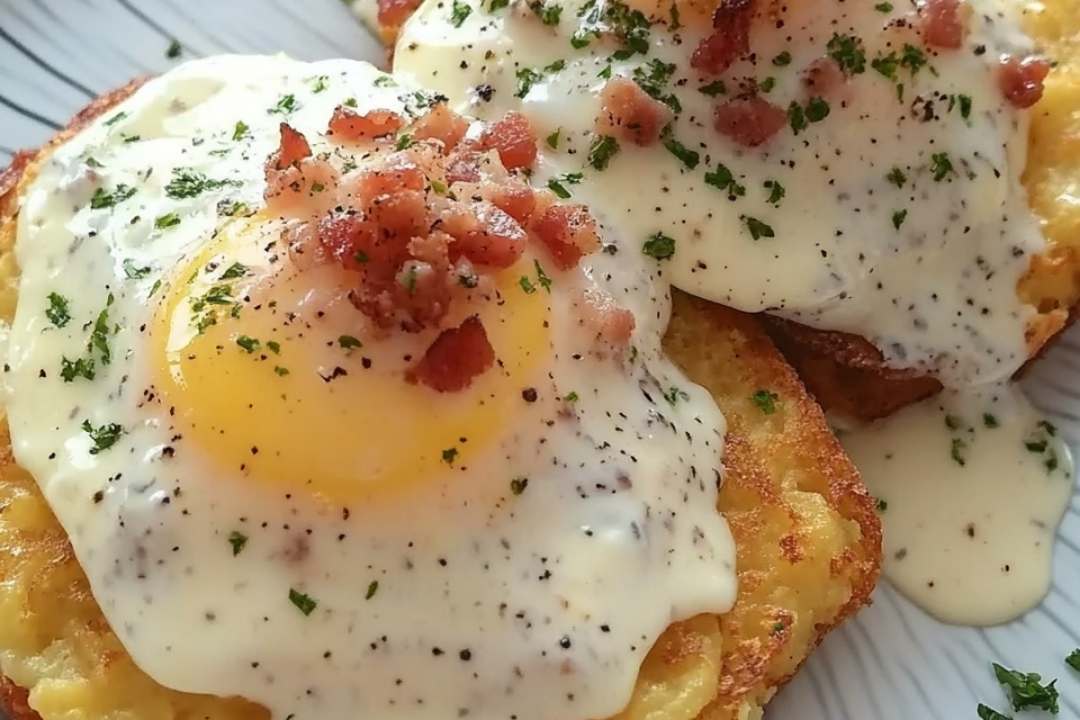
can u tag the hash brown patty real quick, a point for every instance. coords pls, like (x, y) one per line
(807, 537)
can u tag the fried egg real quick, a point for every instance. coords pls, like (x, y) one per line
(267, 505)
(847, 173)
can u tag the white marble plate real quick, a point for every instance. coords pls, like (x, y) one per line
(891, 663)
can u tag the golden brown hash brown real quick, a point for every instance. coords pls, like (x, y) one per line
(846, 373)
(808, 548)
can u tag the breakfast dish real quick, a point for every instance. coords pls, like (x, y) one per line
(221, 268)
(377, 384)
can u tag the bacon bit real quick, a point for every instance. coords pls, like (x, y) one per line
(629, 113)
(749, 121)
(1021, 79)
(463, 166)
(513, 197)
(823, 77)
(356, 244)
(612, 323)
(512, 136)
(395, 12)
(350, 126)
(442, 124)
(569, 232)
(485, 235)
(944, 23)
(399, 172)
(292, 148)
(730, 38)
(422, 292)
(456, 357)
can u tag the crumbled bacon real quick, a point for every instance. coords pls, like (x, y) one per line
(442, 124)
(612, 323)
(395, 12)
(399, 172)
(629, 113)
(484, 234)
(749, 121)
(568, 232)
(512, 136)
(463, 166)
(292, 148)
(350, 126)
(944, 23)
(456, 357)
(513, 197)
(729, 40)
(823, 77)
(1021, 79)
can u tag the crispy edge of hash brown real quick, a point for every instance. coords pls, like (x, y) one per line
(808, 545)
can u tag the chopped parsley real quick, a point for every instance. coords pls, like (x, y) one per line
(674, 394)
(653, 77)
(320, 83)
(526, 285)
(1025, 690)
(940, 166)
(166, 221)
(348, 342)
(99, 336)
(882, 505)
(796, 117)
(1073, 660)
(240, 130)
(989, 713)
(132, 272)
(372, 588)
(174, 49)
(897, 177)
(404, 141)
(449, 455)
(659, 246)
(187, 183)
(459, 12)
(757, 228)
(281, 371)
(58, 311)
(912, 58)
(103, 436)
(716, 87)
(990, 421)
(549, 13)
(782, 59)
(234, 271)
(115, 118)
(898, 218)
(884, 7)
(542, 277)
(238, 540)
(304, 603)
(776, 191)
(71, 369)
(381, 81)
(553, 139)
(285, 105)
(558, 183)
(518, 485)
(571, 397)
(688, 157)
(847, 51)
(603, 148)
(526, 78)
(723, 179)
(248, 343)
(104, 199)
(817, 109)
(765, 401)
(886, 65)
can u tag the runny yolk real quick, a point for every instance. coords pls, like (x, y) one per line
(259, 364)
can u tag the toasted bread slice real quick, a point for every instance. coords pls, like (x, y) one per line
(808, 546)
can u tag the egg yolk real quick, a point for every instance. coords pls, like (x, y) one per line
(270, 371)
